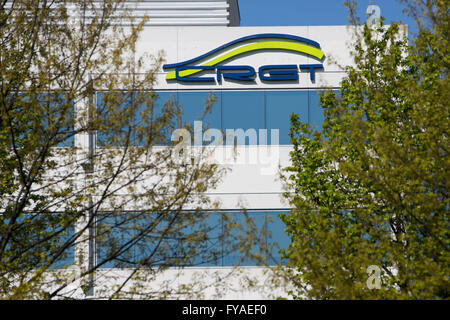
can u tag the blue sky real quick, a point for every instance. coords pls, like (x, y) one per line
(313, 12)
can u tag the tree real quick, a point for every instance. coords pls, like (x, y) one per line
(370, 192)
(69, 74)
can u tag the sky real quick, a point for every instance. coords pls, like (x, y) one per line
(314, 12)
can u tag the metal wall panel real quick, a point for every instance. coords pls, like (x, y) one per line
(183, 12)
(177, 12)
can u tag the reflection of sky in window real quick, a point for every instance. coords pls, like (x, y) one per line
(53, 108)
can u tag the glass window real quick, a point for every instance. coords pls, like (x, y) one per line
(251, 242)
(118, 123)
(67, 258)
(37, 238)
(154, 113)
(279, 106)
(150, 239)
(194, 104)
(250, 234)
(179, 239)
(47, 115)
(114, 121)
(114, 235)
(209, 250)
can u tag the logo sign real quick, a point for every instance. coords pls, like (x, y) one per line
(191, 70)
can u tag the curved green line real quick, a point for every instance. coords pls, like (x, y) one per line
(268, 45)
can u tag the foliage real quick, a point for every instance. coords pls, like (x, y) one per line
(372, 188)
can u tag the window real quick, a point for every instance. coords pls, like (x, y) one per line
(137, 119)
(198, 239)
(279, 106)
(194, 104)
(232, 110)
(316, 116)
